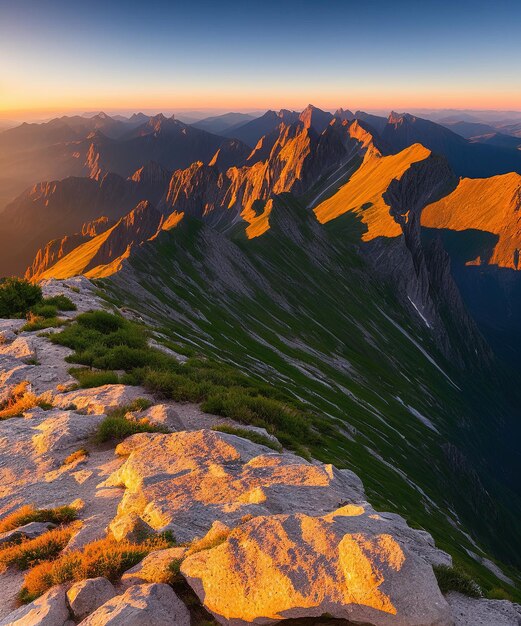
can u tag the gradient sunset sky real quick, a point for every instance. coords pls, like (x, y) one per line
(59, 56)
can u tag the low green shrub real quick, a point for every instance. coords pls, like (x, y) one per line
(61, 302)
(498, 593)
(45, 310)
(259, 411)
(116, 426)
(17, 296)
(41, 323)
(454, 579)
(88, 379)
(101, 321)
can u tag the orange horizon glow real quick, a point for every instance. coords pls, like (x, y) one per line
(24, 106)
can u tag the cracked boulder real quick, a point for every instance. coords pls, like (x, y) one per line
(347, 564)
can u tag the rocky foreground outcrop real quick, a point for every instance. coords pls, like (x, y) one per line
(265, 536)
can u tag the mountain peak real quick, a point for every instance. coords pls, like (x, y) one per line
(313, 117)
(400, 118)
(343, 114)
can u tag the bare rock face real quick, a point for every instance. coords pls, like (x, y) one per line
(48, 610)
(153, 568)
(32, 447)
(185, 481)
(348, 564)
(130, 527)
(471, 612)
(141, 605)
(161, 415)
(28, 531)
(88, 595)
(101, 399)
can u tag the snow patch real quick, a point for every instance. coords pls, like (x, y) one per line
(424, 420)
(419, 312)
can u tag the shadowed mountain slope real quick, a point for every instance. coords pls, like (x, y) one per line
(466, 158)
(54, 209)
(218, 124)
(251, 132)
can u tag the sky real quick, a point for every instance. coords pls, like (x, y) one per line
(60, 56)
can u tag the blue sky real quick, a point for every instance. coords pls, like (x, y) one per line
(57, 55)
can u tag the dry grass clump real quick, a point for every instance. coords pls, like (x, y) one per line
(20, 400)
(30, 552)
(106, 557)
(26, 514)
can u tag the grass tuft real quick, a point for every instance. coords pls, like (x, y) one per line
(30, 552)
(106, 557)
(118, 424)
(26, 514)
(88, 378)
(454, 579)
(61, 302)
(20, 400)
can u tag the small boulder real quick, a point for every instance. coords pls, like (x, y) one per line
(141, 605)
(88, 595)
(48, 610)
(28, 531)
(347, 564)
(20, 348)
(481, 612)
(130, 527)
(153, 568)
(161, 415)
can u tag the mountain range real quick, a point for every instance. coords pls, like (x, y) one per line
(367, 265)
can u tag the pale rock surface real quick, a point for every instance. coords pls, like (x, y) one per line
(79, 289)
(481, 612)
(11, 581)
(142, 605)
(32, 447)
(153, 568)
(86, 596)
(32, 469)
(48, 610)
(160, 415)
(8, 328)
(130, 527)
(101, 399)
(185, 481)
(349, 564)
(50, 371)
(28, 531)
(19, 348)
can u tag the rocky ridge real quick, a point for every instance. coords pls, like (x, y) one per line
(266, 536)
